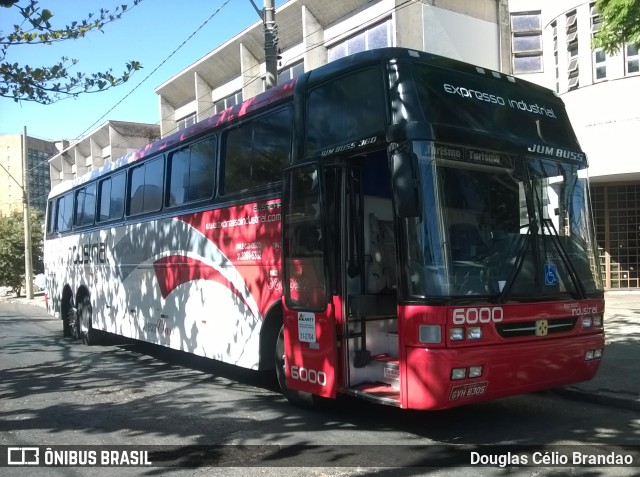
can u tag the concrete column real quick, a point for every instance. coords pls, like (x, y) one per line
(313, 37)
(67, 167)
(97, 160)
(408, 25)
(80, 162)
(504, 36)
(250, 72)
(167, 118)
(204, 103)
(117, 142)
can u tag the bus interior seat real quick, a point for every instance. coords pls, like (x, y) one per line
(465, 242)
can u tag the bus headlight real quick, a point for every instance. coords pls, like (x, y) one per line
(587, 322)
(456, 334)
(458, 373)
(597, 321)
(474, 333)
(475, 371)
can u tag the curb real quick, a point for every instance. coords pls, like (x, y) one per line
(595, 397)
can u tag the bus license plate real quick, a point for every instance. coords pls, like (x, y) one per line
(468, 390)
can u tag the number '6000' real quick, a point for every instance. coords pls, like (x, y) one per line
(472, 316)
(309, 375)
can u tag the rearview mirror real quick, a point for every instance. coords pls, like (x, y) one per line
(406, 186)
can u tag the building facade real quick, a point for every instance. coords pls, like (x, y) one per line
(552, 46)
(108, 142)
(548, 43)
(312, 33)
(11, 173)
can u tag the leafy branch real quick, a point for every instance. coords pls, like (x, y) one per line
(620, 24)
(48, 84)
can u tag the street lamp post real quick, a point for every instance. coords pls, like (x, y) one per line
(28, 262)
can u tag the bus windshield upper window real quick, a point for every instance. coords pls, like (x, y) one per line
(348, 108)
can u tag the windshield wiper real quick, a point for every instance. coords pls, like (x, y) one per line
(564, 255)
(532, 229)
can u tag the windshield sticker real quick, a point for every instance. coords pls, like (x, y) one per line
(550, 274)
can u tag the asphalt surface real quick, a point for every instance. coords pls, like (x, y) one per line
(615, 383)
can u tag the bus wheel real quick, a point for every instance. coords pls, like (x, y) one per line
(70, 324)
(299, 398)
(67, 329)
(88, 335)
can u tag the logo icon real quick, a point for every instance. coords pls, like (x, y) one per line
(23, 456)
(542, 327)
(550, 274)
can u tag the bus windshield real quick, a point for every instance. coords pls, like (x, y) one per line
(499, 226)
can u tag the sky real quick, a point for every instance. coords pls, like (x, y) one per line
(148, 33)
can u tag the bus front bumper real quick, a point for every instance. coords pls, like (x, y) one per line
(505, 370)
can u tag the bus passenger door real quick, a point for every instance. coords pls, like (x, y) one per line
(309, 312)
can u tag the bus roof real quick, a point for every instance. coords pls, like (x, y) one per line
(283, 91)
(261, 101)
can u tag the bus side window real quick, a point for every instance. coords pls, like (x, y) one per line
(192, 173)
(145, 191)
(64, 208)
(111, 197)
(256, 152)
(51, 214)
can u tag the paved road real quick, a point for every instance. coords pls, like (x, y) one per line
(54, 392)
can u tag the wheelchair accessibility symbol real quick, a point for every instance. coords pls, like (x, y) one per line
(550, 274)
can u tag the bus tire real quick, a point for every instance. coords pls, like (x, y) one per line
(299, 398)
(88, 335)
(70, 323)
(66, 326)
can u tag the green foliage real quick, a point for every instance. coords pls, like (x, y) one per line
(12, 249)
(48, 84)
(620, 24)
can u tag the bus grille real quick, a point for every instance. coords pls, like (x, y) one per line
(528, 328)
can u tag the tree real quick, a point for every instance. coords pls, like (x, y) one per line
(12, 249)
(48, 84)
(620, 24)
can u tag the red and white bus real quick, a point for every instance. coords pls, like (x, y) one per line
(394, 225)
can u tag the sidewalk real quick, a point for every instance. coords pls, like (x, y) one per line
(614, 385)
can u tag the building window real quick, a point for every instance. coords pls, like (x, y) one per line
(291, 72)
(526, 42)
(616, 214)
(599, 63)
(186, 121)
(573, 71)
(632, 59)
(377, 36)
(229, 101)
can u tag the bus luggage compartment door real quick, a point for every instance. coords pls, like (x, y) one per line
(310, 351)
